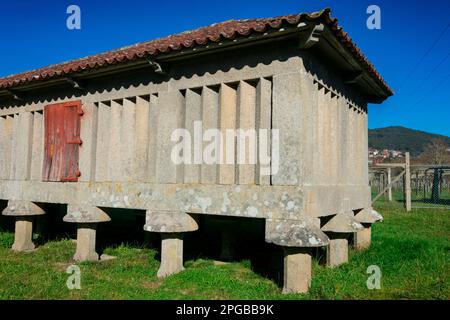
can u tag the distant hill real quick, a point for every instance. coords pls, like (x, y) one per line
(402, 139)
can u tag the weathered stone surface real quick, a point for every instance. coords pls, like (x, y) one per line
(295, 233)
(22, 208)
(362, 238)
(85, 214)
(297, 270)
(171, 254)
(169, 222)
(342, 223)
(107, 257)
(377, 215)
(86, 240)
(337, 252)
(368, 215)
(23, 234)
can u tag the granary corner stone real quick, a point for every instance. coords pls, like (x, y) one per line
(297, 270)
(169, 222)
(363, 238)
(295, 233)
(87, 217)
(337, 250)
(23, 234)
(171, 254)
(85, 214)
(171, 225)
(297, 237)
(368, 215)
(339, 228)
(342, 223)
(86, 242)
(24, 212)
(22, 208)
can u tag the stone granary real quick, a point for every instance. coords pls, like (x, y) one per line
(97, 133)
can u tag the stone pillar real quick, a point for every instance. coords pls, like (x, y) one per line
(171, 225)
(362, 238)
(337, 251)
(297, 270)
(171, 254)
(296, 237)
(86, 217)
(338, 229)
(24, 212)
(86, 237)
(23, 235)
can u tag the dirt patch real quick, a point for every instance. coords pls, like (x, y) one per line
(152, 284)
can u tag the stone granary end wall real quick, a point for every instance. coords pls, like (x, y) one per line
(97, 133)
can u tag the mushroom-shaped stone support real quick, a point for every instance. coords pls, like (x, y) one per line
(339, 228)
(362, 238)
(24, 212)
(297, 237)
(86, 217)
(171, 225)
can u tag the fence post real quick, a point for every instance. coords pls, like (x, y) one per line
(389, 180)
(407, 182)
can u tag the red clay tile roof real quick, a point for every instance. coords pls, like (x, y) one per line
(202, 36)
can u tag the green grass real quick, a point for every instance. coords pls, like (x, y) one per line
(411, 249)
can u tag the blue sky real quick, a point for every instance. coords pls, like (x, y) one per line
(34, 34)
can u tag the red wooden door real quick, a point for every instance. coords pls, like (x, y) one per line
(62, 141)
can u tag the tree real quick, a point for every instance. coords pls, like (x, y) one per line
(436, 152)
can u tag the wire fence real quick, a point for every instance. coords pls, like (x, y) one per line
(430, 186)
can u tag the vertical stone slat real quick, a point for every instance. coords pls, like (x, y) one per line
(357, 147)
(366, 149)
(24, 146)
(349, 153)
(8, 136)
(210, 118)
(343, 150)
(88, 135)
(286, 116)
(246, 123)
(3, 145)
(309, 117)
(127, 140)
(14, 140)
(115, 165)
(193, 114)
(152, 138)
(170, 118)
(264, 118)
(37, 156)
(328, 140)
(227, 170)
(320, 156)
(103, 135)
(141, 138)
(334, 141)
(352, 152)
